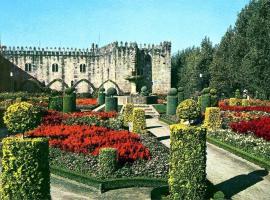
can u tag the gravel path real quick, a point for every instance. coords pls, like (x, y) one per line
(236, 177)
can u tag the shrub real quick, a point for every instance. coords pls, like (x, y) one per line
(25, 172)
(101, 96)
(213, 98)
(219, 195)
(111, 92)
(68, 103)
(139, 123)
(70, 90)
(205, 102)
(187, 172)
(55, 103)
(144, 91)
(212, 118)
(2, 111)
(107, 161)
(111, 104)
(21, 117)
(172, 102)
(245, 102)
(235, 102)
(188, 110)
(128, 113)
(237, 94)
(180, 95)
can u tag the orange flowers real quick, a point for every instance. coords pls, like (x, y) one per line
(86, 101)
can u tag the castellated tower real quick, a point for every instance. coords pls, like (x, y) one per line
(89, 69)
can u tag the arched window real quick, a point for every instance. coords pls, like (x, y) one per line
(82, 68)
(28, 67)
(54, 67)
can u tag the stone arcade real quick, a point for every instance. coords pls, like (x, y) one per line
(89, 69)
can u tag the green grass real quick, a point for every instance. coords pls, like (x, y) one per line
(161, 108)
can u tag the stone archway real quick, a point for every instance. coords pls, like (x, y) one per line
(64, 85)
(86, 81)
(119, 91)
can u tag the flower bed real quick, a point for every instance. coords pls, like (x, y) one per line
(90, 101)
(248, 143)
(260, 127)
(156, 167)
(90, 139)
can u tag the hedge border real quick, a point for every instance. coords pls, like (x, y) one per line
(167, 121)
(109, 184)
(255, 160)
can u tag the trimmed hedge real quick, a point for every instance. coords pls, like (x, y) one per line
(188, 110)
(101, 96)
(22, 117)
(55, 103)
(107, 161)
(68, 103)
(187, 173)
(128, 113)
(205, 102)
(111, 104)
(245, 102)
(212, 118)
(172, 102)
(235, 102)
(139, 123)
(2, 111)
(109, 184)
(25, 173)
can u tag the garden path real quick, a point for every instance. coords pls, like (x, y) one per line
(236, 177)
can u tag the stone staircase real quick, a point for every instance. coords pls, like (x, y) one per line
(148, 109)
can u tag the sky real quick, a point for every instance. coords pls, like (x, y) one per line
(78, 23)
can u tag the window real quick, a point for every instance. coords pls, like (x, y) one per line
(82, 68)
(28, 67)
(54, 67)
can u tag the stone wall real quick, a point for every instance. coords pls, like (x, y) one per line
(107, 66)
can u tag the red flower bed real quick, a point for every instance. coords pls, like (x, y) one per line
(56, 118)
(245, 108)
(90, 139)
(86, 101)
(260, 127)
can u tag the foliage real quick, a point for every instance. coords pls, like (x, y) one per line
(237, 94)
(69, 90)
(205, 102)
(180, 94)
(245, 102)
(90, 139)
(235, 102)
(111, 104)
(68, 103)
(111, 92)
(139, 123)
(101, 96)
(55, 103)
(144, 91)
(188, 153)
(25, 169)
(161, 108)
(242, 56)
(172, 92)
(212, 118)
(107, 161)
(21, 117)
(2, 111)
(188, 110)
(172, 102)
(128, 113)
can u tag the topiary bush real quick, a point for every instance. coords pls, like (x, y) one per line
(139, 123)
(212, 118)
(180, 95)
(219, 195)
(68, 103)
(111, 92)
(69, 90)
(235, 102)
(55, 103)
(128, 113)
(188, 110)
(22, 117)
(144, 91)
(25, 169)
(172, 102)
(205, 100)
(187, 172)
(107, 161)
(237, 94)
(111, 104)
(213, 98)
(101, 96)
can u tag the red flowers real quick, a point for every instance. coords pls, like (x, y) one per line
(90, 139)
(86, 101)
(245, 108)
(260, 127)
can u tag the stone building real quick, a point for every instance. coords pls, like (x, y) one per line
(89, 69)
